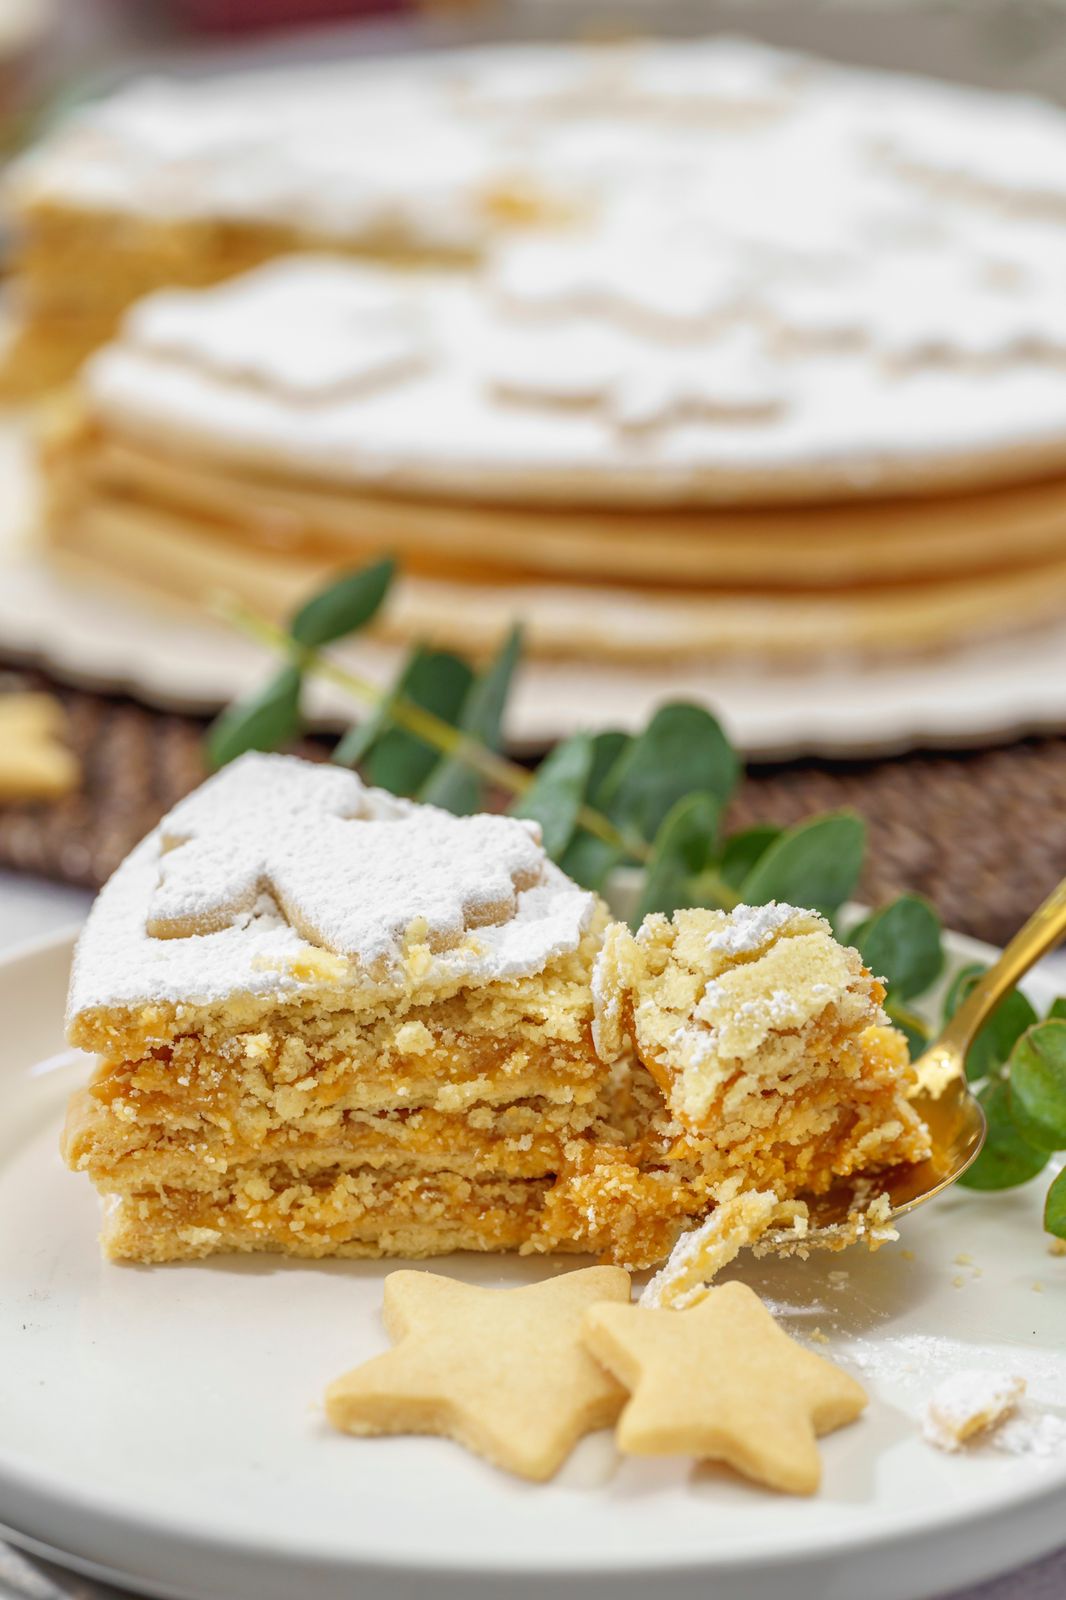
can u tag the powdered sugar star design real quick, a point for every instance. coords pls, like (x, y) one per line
(326, 849)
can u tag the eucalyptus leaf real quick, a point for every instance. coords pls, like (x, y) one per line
(453, 784)
(1055, 1207)
(263, 722)
(1007, 1158)
(436, 681)
(558, 792)
(361, 737)
(683, 847)
(587, 859)
(815, 863)
(742, 850)
(994, 1043)
(681, 752)
(961, 983)
(1058, 1010)
(1038, 1085)
(608, 747)
(348, 604)
(901, 944)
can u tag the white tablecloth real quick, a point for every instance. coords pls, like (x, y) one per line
(29, 909)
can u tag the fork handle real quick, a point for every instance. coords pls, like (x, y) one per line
(1043, 931)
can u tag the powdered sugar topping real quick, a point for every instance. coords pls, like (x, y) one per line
(775, 277)
(278, 873)
(749, 928)
(335, 333)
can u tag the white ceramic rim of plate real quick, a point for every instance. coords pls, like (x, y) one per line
(33, 1494)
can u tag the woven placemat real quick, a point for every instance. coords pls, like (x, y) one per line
(982, 833)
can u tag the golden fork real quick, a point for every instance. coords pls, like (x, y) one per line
(944, 1099)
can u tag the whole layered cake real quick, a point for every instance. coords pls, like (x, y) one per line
(330, 1022)
(675, 350)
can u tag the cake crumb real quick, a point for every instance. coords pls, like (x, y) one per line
(1057, 1247)
(908, 1255)
(968, 1403)
(963, 1260)
(704, 1250)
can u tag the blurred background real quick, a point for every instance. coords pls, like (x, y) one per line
(952, 746)
(1011, 44)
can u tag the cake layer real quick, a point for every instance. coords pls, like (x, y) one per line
(402, 1062)
(102, 473)
(337, 1213)
(120, 1152)
(295, 1066)
(180, 559)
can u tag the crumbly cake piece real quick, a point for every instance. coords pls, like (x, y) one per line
(778, 1068)
(754, 1022)
(331, 1022)
(969, 1403)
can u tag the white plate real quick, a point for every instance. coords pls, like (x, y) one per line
(107, 639)
(161, 1424)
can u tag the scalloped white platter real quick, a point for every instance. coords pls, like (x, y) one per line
(109, 637)
(161, 1426)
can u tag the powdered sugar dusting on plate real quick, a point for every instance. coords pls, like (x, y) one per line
(1032, 1433)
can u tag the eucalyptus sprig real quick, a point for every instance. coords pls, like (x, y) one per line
(1017, 1066)
(654, 800)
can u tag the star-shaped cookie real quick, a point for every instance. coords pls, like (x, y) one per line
(503, 1372)
(723, 1382)
(35, 764)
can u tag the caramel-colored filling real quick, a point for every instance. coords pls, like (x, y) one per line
(484, 1119)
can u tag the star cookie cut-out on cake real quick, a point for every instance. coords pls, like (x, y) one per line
(724, 1383)
(354, 870)
(502, 1372)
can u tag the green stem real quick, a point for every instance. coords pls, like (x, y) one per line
(415, 719)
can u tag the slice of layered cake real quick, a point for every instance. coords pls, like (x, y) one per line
(331, 1022)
